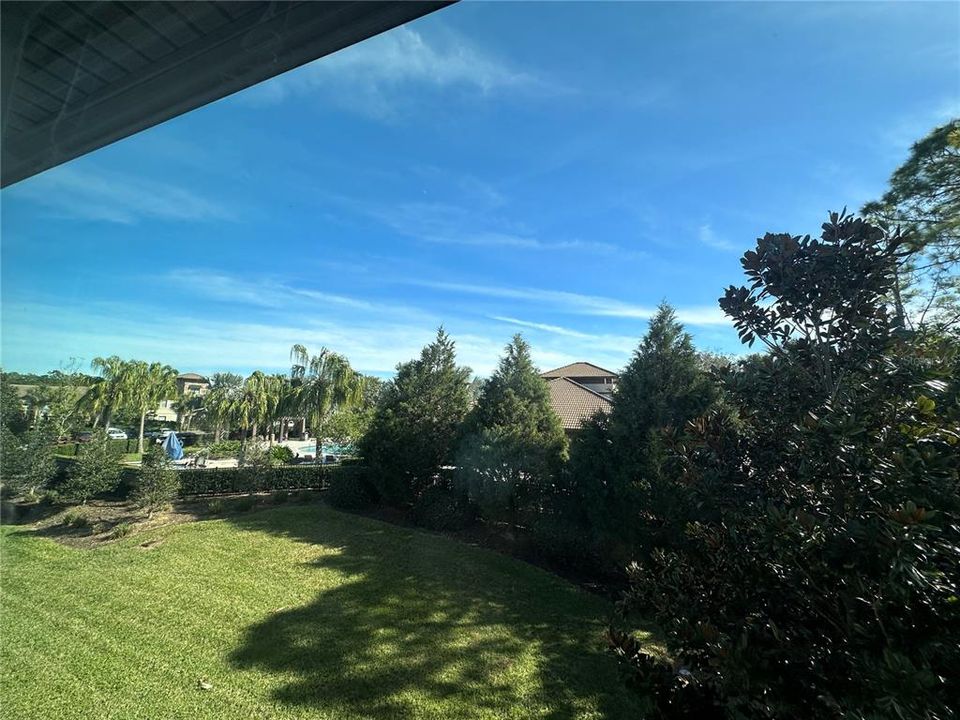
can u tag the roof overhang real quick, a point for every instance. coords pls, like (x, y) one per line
(78, 76)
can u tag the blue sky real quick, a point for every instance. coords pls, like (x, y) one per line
(555, 169)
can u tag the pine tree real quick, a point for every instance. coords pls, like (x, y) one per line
(417, 422)
(513, 442)
(619, 467)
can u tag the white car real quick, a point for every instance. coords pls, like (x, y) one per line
(116, 434)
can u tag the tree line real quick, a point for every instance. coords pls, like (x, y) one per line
(789, 520)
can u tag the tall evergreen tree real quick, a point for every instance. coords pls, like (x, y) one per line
(618, 466)
(513, 441)
(414, 430)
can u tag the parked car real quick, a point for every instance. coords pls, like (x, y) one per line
(116, 434)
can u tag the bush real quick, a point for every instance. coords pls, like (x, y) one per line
(813, 571)
(96, 471)
(559, 534)
(280, 497)
(281, 454)
(75, 518)
(220, 481)
(158, 483)
(121, 530)
(216, 451)
(440, 508)
(215, 507)
(350, 489)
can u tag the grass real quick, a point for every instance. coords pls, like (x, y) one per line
(296, 611)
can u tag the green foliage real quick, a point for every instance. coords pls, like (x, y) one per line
(158, 483)
(620, 472)
(217, 481)
(416, 425)
(27, 464)
(441, 508)
(12, 416)
(322, 384)
(280, 497)
(513, 443)
(281, 454)
(815, 570)
(216, 451)
(350, 489)
(75, 518)
(96, 471)
(924, 200)
(121, 530)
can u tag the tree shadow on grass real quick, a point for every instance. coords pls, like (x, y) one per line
(415, 625)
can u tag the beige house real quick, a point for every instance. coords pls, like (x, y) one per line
(579, 390)
(190, 384)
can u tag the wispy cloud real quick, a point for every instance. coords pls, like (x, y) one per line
(575, 303)
(89, 194)
(262, 292)
(378, 70)
(708, 237)
(444, 223)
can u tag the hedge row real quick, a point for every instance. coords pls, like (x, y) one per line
(71, 449)
(221, 481)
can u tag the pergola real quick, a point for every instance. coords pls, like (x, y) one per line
(80, 75)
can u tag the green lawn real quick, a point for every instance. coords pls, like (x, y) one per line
(297, 611)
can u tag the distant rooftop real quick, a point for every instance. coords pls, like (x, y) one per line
(575, 403)
(192, 377)
(579, 369)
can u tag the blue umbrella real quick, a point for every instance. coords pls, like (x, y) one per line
(173, 447)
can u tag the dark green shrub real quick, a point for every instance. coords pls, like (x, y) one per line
(559, 534)
(96, 470)
(219, 481)
(440, 508)
(280, 496)
(815, 572)
(350, 489)
(215, 507)
(281, 454)
(27, 463)
(158, 483)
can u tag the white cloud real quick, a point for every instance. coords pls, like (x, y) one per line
(708, 237)
(262, 292)
(88, 194)
(560, 300)
(369, 77)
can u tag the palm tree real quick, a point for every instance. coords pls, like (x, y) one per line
(322, 383)
(220, 402)
(108, 395)
(147, 386)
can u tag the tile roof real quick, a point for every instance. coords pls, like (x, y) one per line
(574, 403)
(579, 369)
